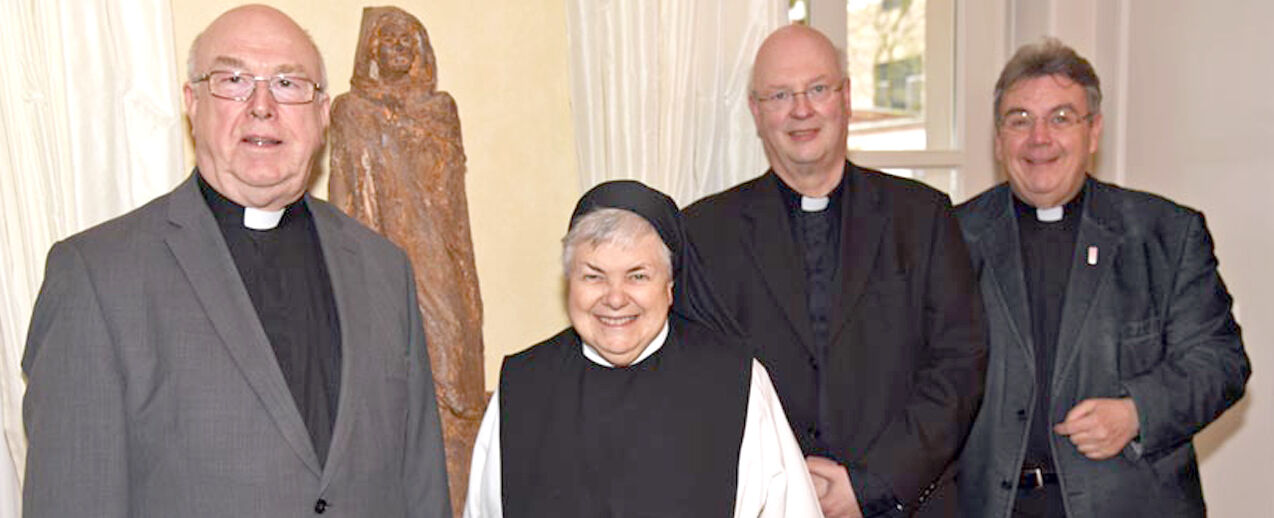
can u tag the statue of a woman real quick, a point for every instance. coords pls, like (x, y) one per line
(397, 165)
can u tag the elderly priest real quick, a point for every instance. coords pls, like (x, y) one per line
(649, 405)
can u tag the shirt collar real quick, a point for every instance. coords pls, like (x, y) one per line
(232, 215)
(655, 345)
(796, 202)
(1070, 211)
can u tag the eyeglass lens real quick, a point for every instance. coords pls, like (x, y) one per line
(240, 87)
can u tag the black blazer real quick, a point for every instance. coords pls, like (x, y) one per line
(905, 361)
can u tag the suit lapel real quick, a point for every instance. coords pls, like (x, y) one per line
(1096, 246)
(863, 223)
(205, 259)
(771, 245)
(349, 290)
(1003, 256)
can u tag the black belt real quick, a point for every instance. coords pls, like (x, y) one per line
(1035, 478)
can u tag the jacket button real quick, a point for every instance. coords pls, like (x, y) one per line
(1021, 414)
(320, 506)
(1006, 485)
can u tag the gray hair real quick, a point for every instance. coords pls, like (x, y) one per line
(609, 226)
(192, 73)
(1049, 57)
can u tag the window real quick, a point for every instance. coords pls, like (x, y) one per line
(920, 109)
(900, 85)
(885, 43)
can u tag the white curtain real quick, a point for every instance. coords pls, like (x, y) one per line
(659, 91)
(90, 127)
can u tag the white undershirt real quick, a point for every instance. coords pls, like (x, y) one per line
(773, 480)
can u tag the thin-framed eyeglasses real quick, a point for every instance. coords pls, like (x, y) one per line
(783, 100)
(1061, 119)
(236, 85)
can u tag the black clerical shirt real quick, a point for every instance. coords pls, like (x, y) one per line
(817, 236)
(1048, 251)
(286, 277)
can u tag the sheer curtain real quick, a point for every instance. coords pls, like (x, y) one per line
(659, 90)
(90, 127)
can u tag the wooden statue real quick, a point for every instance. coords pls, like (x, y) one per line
(397, 165)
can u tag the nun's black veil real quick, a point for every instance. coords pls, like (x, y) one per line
(693, 298)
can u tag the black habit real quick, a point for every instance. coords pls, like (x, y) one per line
(659, 438)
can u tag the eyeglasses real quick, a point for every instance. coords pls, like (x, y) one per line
(239, 86)
(783, 100)
(1020, 121)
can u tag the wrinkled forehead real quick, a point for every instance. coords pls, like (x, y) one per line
(642, 249)
(1044, 93)
(260, 46)
(794, 58)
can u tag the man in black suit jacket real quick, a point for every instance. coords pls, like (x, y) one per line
(1111, 338)
(855, 290)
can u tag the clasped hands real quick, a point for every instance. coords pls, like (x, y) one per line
(831, 484)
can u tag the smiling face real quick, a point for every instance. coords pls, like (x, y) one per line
(257, 152)
(1047, 166)
(619, 295)
(805, 143)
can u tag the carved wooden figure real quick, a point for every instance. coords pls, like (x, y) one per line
(397, 165)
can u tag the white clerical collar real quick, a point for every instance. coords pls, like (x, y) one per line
(809, 204)
(261, 219)
(1050, 214)
(595, 357)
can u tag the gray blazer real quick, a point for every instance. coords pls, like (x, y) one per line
(1149, 320)
(153, 390)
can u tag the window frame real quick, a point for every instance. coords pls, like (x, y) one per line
(959, 88)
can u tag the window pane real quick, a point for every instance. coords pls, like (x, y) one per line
(900, 68)
(798, 12)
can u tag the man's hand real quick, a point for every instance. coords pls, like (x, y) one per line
(831, 483)
(1101, 427)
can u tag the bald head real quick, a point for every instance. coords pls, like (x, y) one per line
(795, 40)
(246, 19)
(256, 150)
(800, 103)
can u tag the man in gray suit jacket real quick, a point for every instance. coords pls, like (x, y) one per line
(235, 347)
(1111, 337)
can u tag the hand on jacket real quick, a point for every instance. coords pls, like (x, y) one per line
(1100, 427)
(831, 483)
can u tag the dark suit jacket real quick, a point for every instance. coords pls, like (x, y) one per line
(153, 390)
(905, 360)
(1149, 320)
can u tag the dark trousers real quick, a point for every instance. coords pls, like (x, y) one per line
(1042, 502)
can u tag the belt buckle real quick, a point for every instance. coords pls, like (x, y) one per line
(1036, 475)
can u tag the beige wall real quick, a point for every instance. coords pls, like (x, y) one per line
(1187, 115)
(505, 62)
(1199, 131)
(1186, 81)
